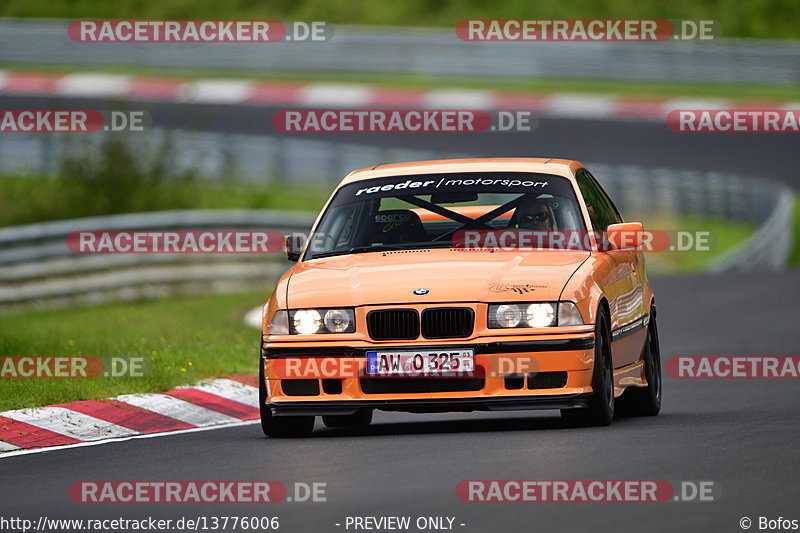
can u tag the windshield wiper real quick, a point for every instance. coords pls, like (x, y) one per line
(375, 248)
(360, 250)
(380, 248)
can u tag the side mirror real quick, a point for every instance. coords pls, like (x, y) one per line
(293, 246)
(626, 235)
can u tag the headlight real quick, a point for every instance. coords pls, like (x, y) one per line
(337, 320)
(506, 316)
(541, 315)
(534, 315)
(313, 321)
(306, 321)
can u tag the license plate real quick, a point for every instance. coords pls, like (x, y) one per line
(420, 363)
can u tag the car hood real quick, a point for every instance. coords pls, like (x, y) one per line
(449, 275)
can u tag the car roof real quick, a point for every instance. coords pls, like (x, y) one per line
(559, 167)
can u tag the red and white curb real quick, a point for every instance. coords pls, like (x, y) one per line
(333, 95)
(212, 403)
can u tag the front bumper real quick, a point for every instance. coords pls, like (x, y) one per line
(505, 378)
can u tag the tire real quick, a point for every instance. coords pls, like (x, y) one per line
(646, 401)
(601, 404)
(280, 426)
(360, 419)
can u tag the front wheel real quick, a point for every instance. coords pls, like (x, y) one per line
(646, 401)
(280, 426)
(601, 405)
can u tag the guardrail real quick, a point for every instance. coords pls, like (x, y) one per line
(37, 268)
(770, 246)
(424, 51)
(653, 194)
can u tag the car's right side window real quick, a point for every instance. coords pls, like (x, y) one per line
(602, 212)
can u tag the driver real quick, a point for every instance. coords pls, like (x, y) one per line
(534, 213)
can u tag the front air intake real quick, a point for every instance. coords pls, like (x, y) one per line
(447, 322)
(393, 324)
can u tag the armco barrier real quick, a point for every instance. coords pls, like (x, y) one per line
(37, 268)
(424, 51)
(769, 247)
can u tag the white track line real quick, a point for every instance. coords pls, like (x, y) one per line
(178, 409)
(230, 390)
(94, 85)
(458, 99)
(70, 423)
(581, 105)
(15, 453)
(218, 91)
(334, 95)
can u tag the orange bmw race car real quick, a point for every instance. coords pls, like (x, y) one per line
(461, 285)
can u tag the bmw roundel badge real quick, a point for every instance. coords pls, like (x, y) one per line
(421, 292)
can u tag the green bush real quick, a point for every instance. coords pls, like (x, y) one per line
(117, 179)
(122, 176)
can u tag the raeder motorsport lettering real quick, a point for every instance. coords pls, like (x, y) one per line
(424, 184)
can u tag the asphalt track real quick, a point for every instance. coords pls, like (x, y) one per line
(650, 144)
(741, 434)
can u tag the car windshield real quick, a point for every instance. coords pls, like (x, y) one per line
(430, 210)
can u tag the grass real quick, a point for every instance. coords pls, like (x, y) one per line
(126, 176)
(769, 19)
(184, 340)
(637, 89)
(724, 236)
